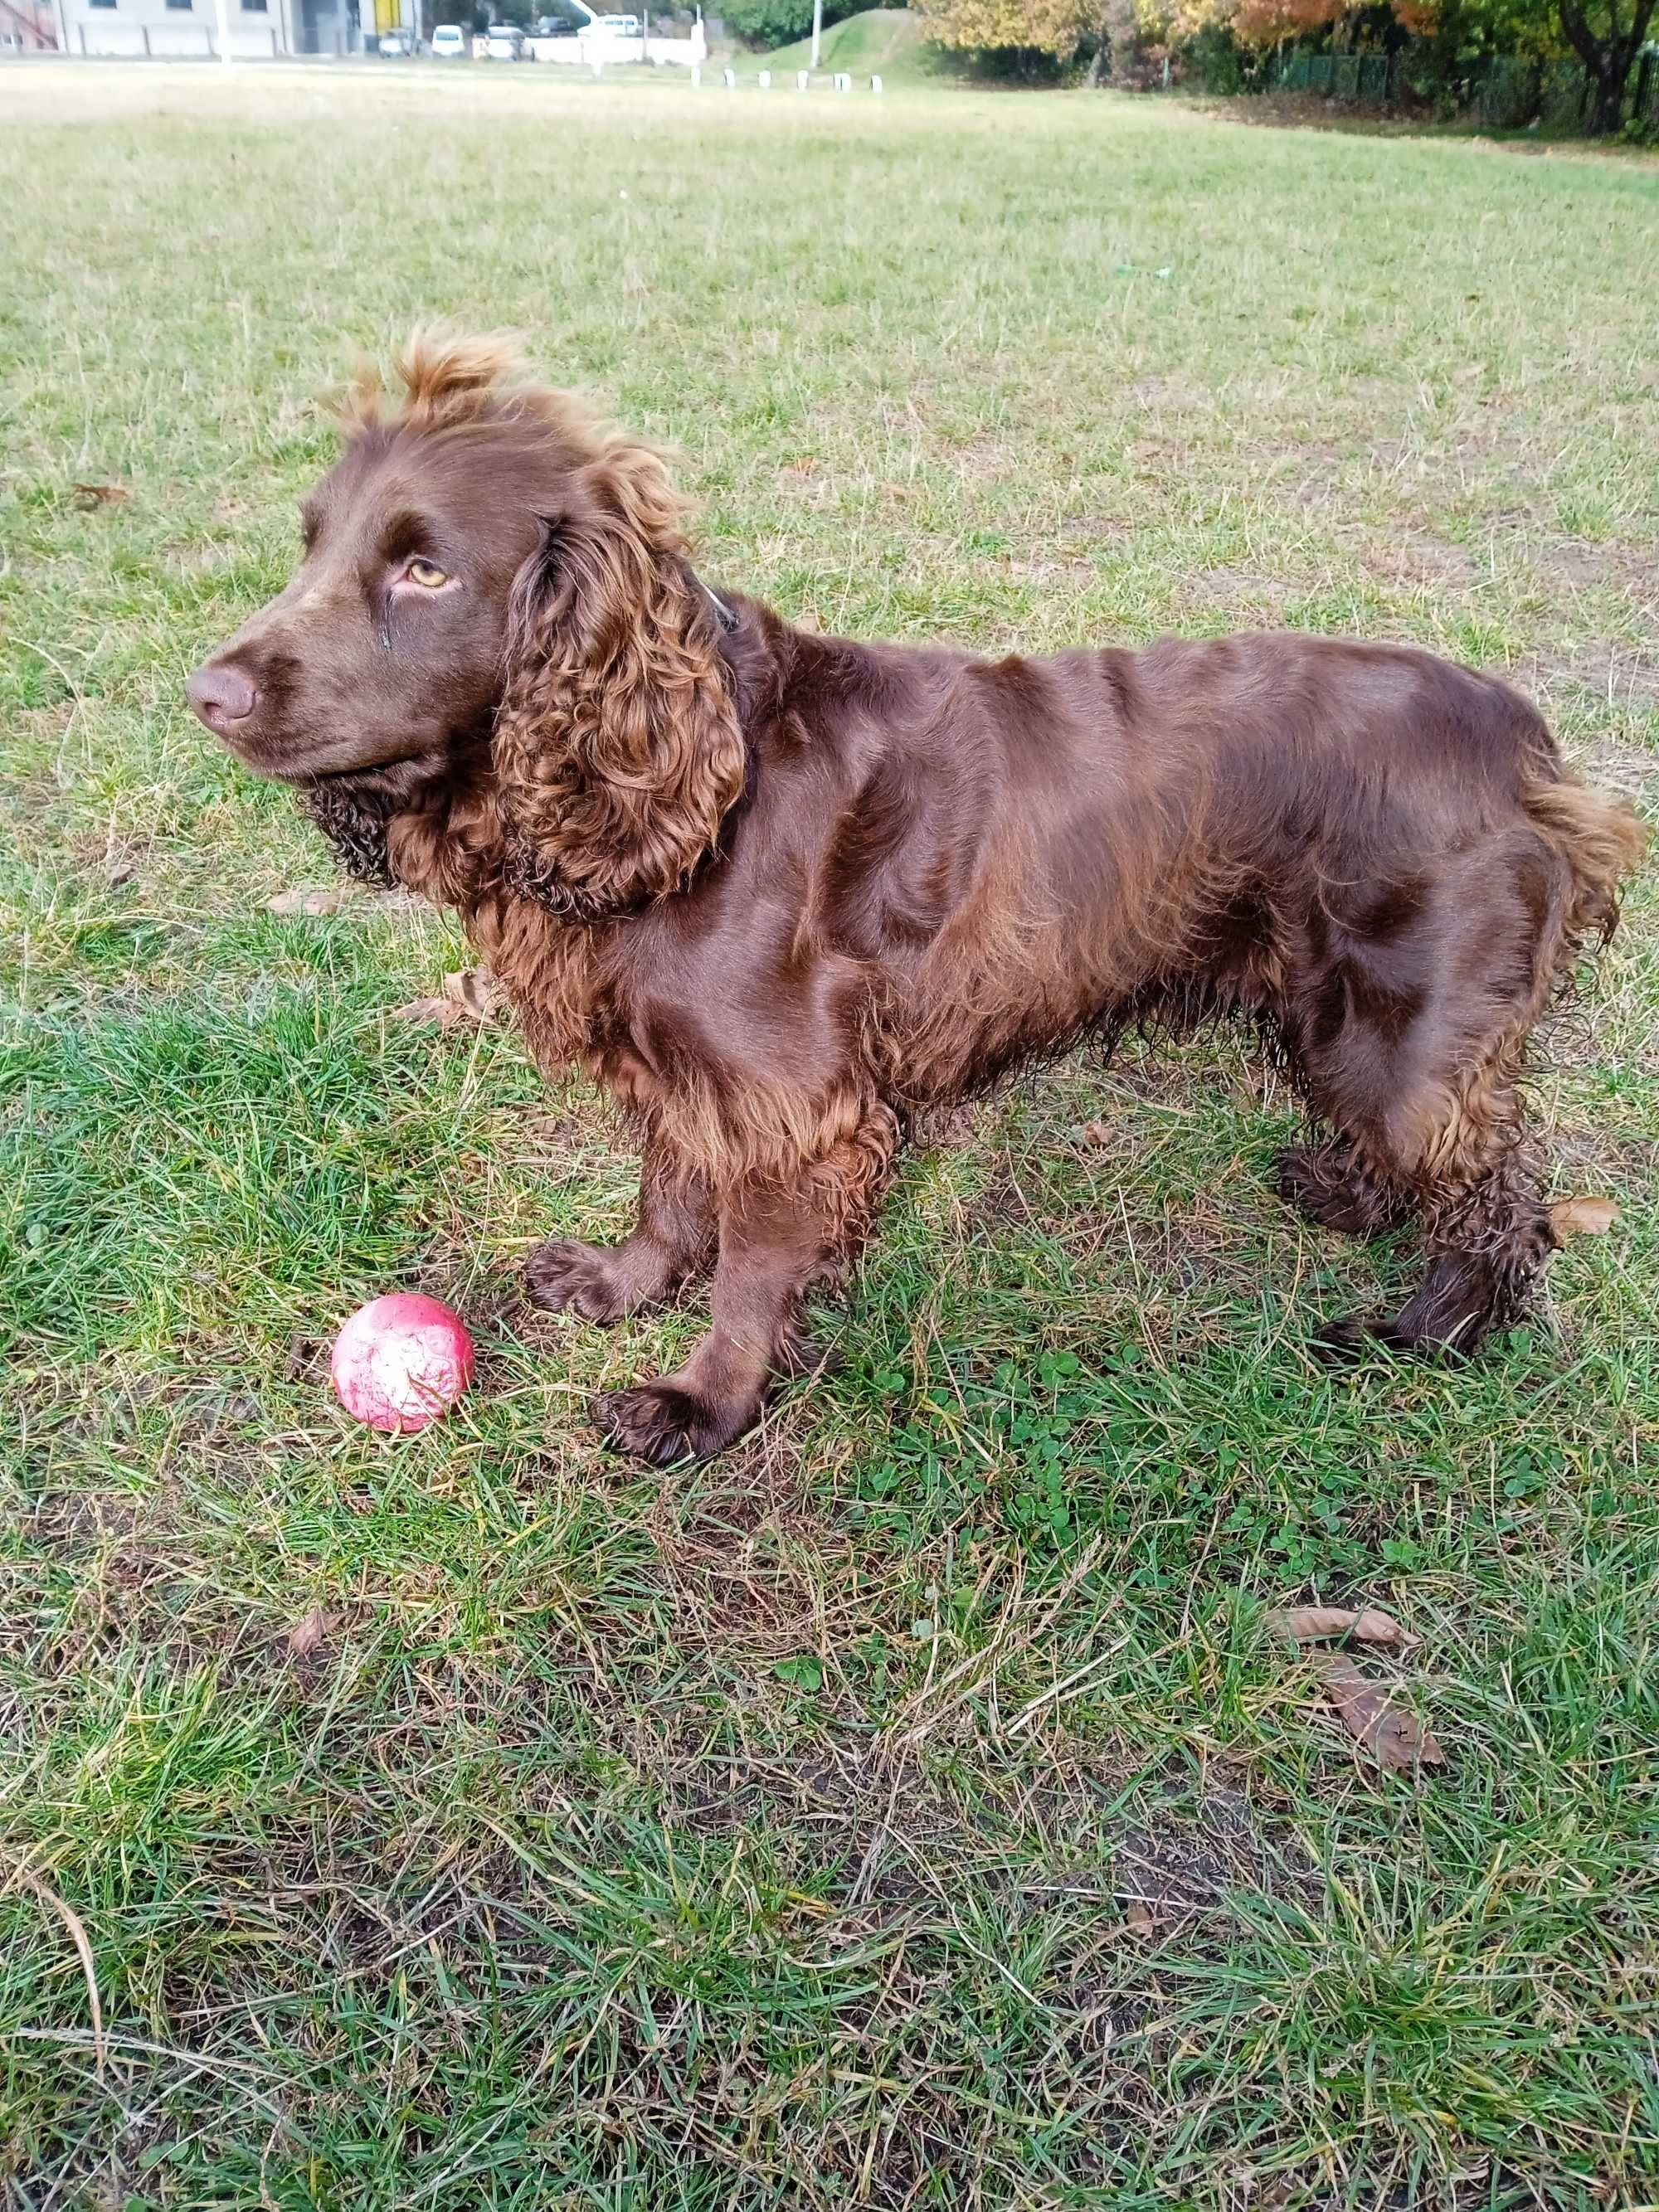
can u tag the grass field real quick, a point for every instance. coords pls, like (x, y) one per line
(915, 1808)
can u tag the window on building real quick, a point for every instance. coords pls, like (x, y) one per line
(255, 7)
(180, 3)
(101, 4)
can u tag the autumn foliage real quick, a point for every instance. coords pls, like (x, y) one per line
(1134, 43)
(1061, 26)
(1052, 27)
(1265, 22)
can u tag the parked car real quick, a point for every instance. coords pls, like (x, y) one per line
(449, 42)
(504, 42)
(395, 46)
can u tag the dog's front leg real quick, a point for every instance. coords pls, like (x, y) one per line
(776, 1240)
(672, 1240)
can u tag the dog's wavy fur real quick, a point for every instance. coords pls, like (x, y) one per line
(779, 894)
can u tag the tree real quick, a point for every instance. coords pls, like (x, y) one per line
(1473, 30)
(1265, 22)
(1045, 27)
(780, 22)
(1607, 35)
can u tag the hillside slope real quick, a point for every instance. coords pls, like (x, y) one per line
(887, 40)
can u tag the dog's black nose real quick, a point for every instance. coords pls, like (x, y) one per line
(221, 695)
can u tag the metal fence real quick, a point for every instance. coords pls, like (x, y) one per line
(1503, 94)
(1368, 80)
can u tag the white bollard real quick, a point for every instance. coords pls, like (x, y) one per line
(801, 77)
(843, 82)
(696, 72)
(731, 76)
(875, 86)
(765, 80)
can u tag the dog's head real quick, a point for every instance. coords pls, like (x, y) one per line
(494, 587)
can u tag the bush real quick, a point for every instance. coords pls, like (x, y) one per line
(1134, 63)
(1216, 61)
(781, 22)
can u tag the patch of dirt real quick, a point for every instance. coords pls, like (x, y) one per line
(1416, 558)
(752, 1575)
(1177, 390)
(1002, 1205)
(1158, 458)
(1631, 770)
(985, 458)
(1622, 676)
(1179, 1869)
(115, 858)
(1594, 1159)
(1574, 564)
(1326, 453)
(894, 1830)
(1395, 456)
(1237, 588)
(949, 1128)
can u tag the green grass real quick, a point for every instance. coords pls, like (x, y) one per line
(886, 41)
(911, 1808)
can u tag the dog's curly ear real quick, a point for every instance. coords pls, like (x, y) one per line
(618, 747)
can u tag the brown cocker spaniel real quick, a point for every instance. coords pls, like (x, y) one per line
(781, 893)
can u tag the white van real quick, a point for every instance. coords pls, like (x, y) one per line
(448, 43)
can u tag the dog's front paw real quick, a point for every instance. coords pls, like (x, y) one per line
(580, 1278)
(1342, 1343)
(663, 1422)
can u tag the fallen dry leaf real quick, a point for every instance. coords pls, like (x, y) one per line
(301, 901)
(1583, 1217)
(470, 994)
(101, 495)
(477, 991)
(443, 1012)
(1392, 1733)
(120, 869)
(1139, 1919)
(1318, 1624)
(308, 1635)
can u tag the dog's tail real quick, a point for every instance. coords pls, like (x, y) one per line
(1599, 839)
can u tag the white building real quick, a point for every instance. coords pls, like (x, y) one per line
(176, 29)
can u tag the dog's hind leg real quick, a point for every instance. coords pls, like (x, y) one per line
(1486, 1239)
(1416, 1013)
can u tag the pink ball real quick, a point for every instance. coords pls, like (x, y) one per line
(400, 1361)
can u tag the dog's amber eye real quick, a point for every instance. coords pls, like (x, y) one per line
(427, 574)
